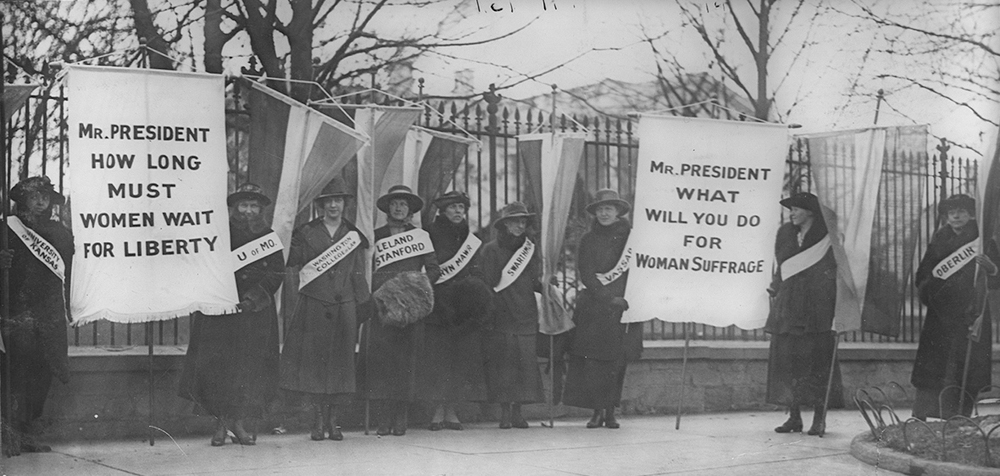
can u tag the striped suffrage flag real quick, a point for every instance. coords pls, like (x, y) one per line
(846, 170)
(988, 203)
(294, 152)
(550, 163)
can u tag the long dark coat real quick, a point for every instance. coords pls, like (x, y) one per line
(387, 364)
(318, 356)
(800, 324)
(231, 366)
(450, 365)
(35, 332)
(951, 310)
(512, 373)
(601, 345)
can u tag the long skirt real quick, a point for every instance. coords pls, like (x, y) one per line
(387, 362)
(450, 365)
(798, 369)
(512, 374)
(594, 384)
(30, 379)
(317, 361)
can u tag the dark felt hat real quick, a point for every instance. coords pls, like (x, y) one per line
(248, 191)
(336, 188)
(19, 193)
(957, 201)
(512, 210)
(610, 197)
(400, 191)
(451, 197)
(804, 200)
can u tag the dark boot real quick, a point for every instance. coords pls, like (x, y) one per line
(383, 414)
(609, 419)
(516, 420)
(505, 422)
(818, 427)
(317, 423)
(399, 423)
(596, 420)
(794, 422)
(219, 438)
(330, 423)
(241, 436)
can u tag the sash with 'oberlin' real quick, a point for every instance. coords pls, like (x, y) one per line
(400, 246)
(805, 258)
(957, 260)
(41, 249)
(516, 265)
(457, 263)
(618, 270)
(328, 258)
(256, 250)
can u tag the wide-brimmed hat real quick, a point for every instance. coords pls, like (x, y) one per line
(804, 200)
(960, 201)
(19, 193)
(248, 191)
(610, 197)
(512, 210)
(451, 197)
(400, 191)
(335, 188)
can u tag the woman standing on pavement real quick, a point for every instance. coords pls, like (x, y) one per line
(602, 346)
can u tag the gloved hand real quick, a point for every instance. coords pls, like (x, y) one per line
(244, 305)
(620, 303)
(771, 292)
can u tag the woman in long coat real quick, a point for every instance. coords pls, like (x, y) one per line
(388, 352)
(231, 366)
(450, 368)
(317, 361)
(512, 374)
(602, 346)
(801, 317)
(952, 309)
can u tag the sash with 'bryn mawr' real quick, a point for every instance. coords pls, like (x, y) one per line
(618, 270)
(805, 258)
(516, 265)
(957, 260)
(41, 249)
(457, 263)
(325, 261)
(256, 250)
(400, 246)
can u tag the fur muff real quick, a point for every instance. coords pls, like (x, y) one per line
(404, 299)
(464, 300)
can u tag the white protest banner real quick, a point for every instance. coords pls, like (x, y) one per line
(706, 211)
(148, 187)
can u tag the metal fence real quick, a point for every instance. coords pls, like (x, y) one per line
(36, 143)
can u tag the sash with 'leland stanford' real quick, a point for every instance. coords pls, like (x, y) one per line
(618, 270)
(41, 249)
(957, 260)
(256, 250)
(805, 258)
(457, 263)
(516, 265)
(400, 246)
(325, 261)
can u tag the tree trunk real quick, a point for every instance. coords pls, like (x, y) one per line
(214, 38)
(145, 28)
(261, 32)
(300, 37)
(762, 103)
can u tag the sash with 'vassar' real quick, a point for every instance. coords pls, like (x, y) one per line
(805, 258)
(456, 263)
(957, 260)
(618, 270)
(400, 246)
(328, 258)
(41, 249)
(256, 250)
(516, 265)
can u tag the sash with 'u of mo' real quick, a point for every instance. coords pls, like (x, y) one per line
(618, 270)
(456, 263)
(805, 258)
(256, 250)
(397, 247)
(513, 269)
(328, 258)
(41, 249)
(957, 260)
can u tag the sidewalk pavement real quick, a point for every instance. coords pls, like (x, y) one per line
(706, 444)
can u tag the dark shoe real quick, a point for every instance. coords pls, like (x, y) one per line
(219, 438)
(505, 421)
(818, 427)
(452, 425)
(792, 425)
(336, 434)
(435, 426)
(316, 432)
(516, 420)
(399, 425)
(382, 431)
(241, 436)
(609, 419)
(596, 420)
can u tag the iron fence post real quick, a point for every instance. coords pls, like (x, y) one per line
(943, 172)
(492, 101)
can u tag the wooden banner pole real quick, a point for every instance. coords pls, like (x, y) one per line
(684, 362)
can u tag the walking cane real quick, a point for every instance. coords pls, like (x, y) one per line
(829, 378)
(974, 329)
(684, 363)
(368, 399)
(4, 272)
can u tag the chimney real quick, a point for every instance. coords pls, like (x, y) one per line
(463, 83)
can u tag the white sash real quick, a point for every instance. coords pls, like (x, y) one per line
(805, 258)
(256, 250)
(618, 270)
(464, 255)
(957, 260)
(328, 258)
(400, 246)
(515, 266)
(41, 249)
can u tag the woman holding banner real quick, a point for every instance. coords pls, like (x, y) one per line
(317, 361)
(403, 296)
(801, 318)
(953, 334)
(513, 268)
(602, 346)
(450, 368)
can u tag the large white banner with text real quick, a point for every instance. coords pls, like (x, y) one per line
(706, 212)
(147, 179)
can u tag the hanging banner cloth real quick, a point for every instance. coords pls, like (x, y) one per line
(148, 179)
(706, 211)
(14, 96)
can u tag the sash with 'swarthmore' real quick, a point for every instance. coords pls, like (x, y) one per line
(618, 270)
(516, 265)
(957, 260)
(41, 249)
(325, 261)
(400, 246)
(805, 258)
(256, 250)
(464, 255)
